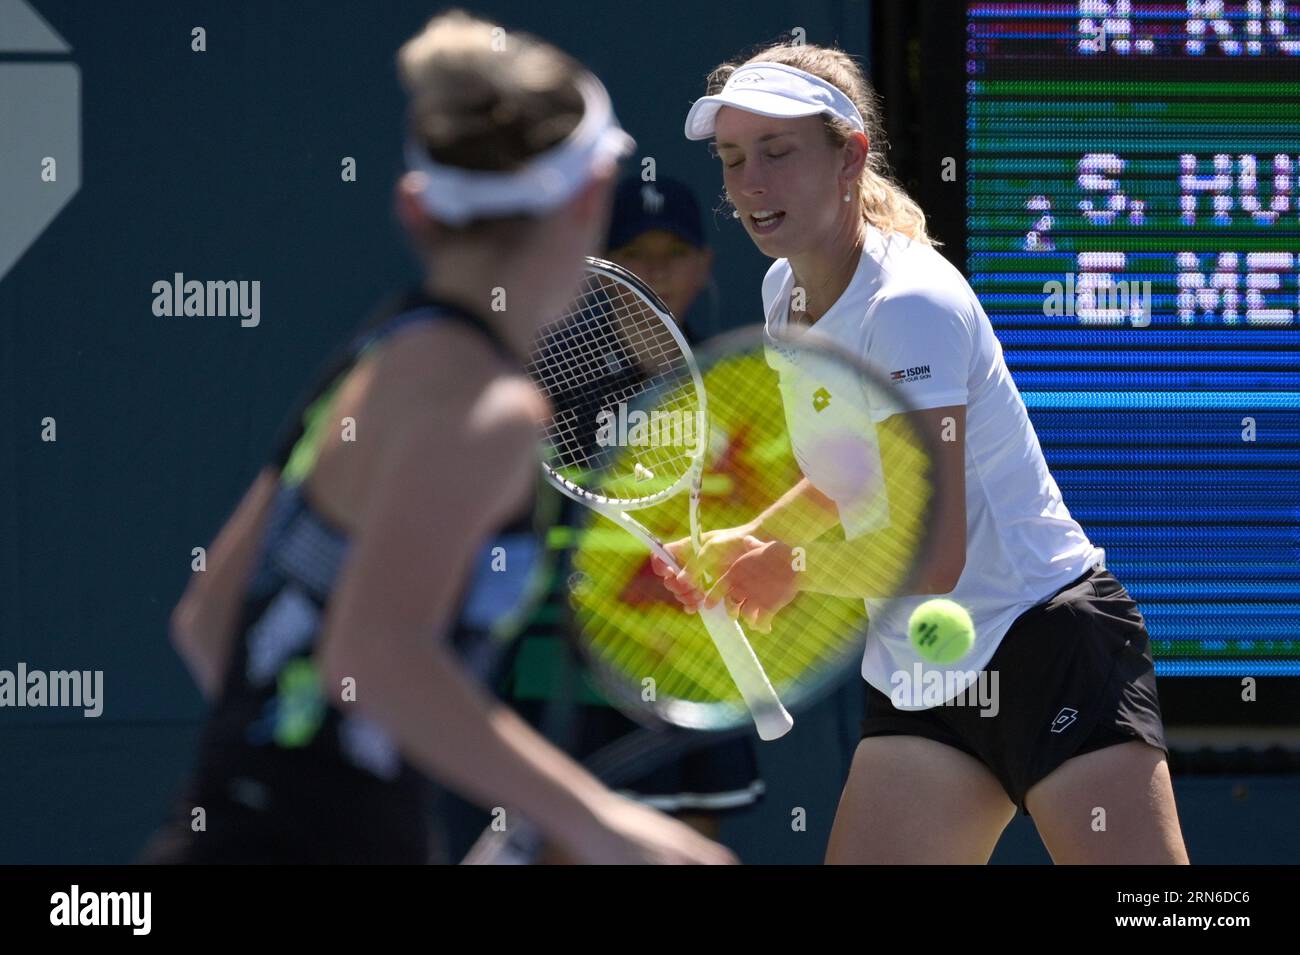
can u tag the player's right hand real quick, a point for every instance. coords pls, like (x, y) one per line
(628, 833)
(718, 551)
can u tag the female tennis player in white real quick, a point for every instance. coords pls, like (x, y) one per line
(1075, 737)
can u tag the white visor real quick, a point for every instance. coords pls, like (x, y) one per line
(455, 195)
(772, 89)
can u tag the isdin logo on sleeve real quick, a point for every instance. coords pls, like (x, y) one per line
(40, 136)
(908, 375)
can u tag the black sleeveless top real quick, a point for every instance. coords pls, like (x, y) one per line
(282, 772)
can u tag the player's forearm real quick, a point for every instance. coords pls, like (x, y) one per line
(203, 623)
(454, 732)
(873, 566)
(800, 515)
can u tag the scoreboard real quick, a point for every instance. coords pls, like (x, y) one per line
(1133, 231)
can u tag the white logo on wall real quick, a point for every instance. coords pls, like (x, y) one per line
(40, 149)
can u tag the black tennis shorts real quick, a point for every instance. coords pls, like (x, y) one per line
(1074, 675)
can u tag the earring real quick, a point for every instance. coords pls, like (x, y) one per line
(735, 213)
(847, 197)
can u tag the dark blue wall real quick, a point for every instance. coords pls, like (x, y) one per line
(225, 165)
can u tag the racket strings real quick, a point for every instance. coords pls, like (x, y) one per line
(610, 348)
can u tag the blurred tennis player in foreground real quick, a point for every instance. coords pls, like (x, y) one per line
(1076, 723)
(322, 628)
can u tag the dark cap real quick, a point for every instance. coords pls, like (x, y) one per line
(665, 204)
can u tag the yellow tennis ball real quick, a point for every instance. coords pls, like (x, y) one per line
(941, 631)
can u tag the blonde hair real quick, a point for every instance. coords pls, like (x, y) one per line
(480, 98)
(883, 202)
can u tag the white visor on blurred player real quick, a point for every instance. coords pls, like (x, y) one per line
(455, 196)
(772, 89)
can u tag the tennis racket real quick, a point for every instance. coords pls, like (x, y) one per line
(630, 431)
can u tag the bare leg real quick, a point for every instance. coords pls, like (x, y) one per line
(1112, 806)
(911, 800)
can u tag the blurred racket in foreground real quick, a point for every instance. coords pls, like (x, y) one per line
(808, 440)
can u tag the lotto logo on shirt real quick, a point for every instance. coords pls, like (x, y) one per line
(908, 375)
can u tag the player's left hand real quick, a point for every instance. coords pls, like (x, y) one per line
(758, 584)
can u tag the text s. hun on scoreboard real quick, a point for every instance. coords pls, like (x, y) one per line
(1133, 211)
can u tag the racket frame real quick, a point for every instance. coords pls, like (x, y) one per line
(771, 719)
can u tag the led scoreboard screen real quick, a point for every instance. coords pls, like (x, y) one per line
(1133, 214)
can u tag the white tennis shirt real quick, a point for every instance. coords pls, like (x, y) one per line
(912, 316)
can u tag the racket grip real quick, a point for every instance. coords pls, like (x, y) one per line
(770, 716)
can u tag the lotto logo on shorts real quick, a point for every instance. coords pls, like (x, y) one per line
(1064, 720)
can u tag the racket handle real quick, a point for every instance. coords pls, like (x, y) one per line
(770, 716)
